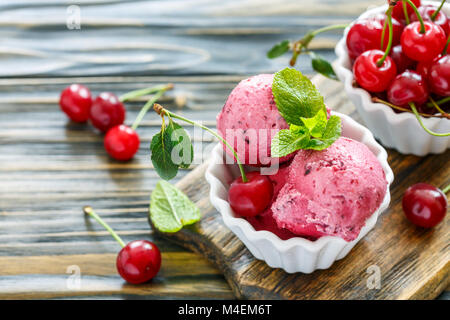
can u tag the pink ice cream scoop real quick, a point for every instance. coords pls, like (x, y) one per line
(330, 192)
(249, 120)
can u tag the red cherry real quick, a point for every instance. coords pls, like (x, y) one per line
(424, 205)
(121, 142)
(409, 86)
(250, 198)
(365, 34)
(139, 261)
(423, 46)
(398, 12)
(107, 111)
(76, 102)
(402, 62)
(423, 68)
(371, 77)
(439, 76)
(426, 11)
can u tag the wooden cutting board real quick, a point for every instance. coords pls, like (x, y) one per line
(413, 263)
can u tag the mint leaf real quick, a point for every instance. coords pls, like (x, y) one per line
(161, 147)
(171, 209)
(322, 66)
(288, 141)
(316, 125)
(296, 97)
(331, 133)
(278, 49)
(182, 152)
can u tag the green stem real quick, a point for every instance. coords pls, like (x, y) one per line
(149, 104)
(405, 12)
(89, 211)
(388, 48)
(215, 134)
(434, 104)
(419, 17)
(329, 28)
(433, 16)
(413, 108)
(393, 106)
(444, 52)
(439, 102)
(141, 92)
(446, 189)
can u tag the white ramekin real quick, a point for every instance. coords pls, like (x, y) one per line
(295, 254)
(395, 130)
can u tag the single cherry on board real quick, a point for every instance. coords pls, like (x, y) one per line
(76, 101)
(439, 76)
(424, 205)
(423, 46)
(107, 111)
(369, 75)
(121, 142)
(408, 86)
(139, 261)
(250, 198)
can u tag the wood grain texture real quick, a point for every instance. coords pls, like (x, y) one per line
(50, 168)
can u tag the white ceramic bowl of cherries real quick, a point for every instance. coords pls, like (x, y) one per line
(414, 74)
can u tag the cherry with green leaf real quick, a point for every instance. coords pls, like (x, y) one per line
(172, 149)
(138, 261)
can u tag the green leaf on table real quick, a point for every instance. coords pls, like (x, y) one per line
(171, 209)
(279, 49)
(331, 133)
(316, 125)
(182, 153)
(288, 141)
(161, 147)
(322, 66)
(296, 97)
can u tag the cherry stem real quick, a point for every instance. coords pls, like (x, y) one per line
(299, 45)
(419, 17)
(149, 104)
(405, 12)
(434, 104)
(162, 111)
(142, 92)
(439, 102)
(393, 106)
(388, 48)
(444, 52)
(433, 16)
(413, 108)
(446, 189)
(89, 211)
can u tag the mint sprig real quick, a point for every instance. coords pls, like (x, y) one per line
(302, 106)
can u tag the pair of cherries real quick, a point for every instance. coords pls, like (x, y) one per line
(106, 113)
(412, 47)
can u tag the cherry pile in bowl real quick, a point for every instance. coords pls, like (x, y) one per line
(416, 68)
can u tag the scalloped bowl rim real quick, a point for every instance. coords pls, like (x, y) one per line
(284, 245)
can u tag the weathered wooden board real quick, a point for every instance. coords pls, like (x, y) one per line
(413, 262)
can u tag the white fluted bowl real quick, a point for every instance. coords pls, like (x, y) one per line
(400, 131)
(295, 254)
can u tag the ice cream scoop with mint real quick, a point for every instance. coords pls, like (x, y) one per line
(327, 185)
